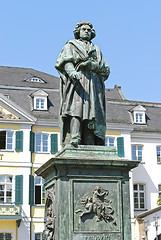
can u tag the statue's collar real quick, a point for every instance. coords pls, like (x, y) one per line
(85, 41)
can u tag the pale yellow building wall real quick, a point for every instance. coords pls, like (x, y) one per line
(45, 129)
(8, 225)
(37, 211)
(37, 227)
(136, 230)
(7, 156)
(9, 170)
(117, 133)
(9, 126)
(41, 157)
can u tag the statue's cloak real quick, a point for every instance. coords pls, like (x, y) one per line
(85, 98)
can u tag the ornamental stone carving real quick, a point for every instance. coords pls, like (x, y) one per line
(49, 215)
(98, 204)
(7, 116)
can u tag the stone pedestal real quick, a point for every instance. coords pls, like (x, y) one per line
(87, 194)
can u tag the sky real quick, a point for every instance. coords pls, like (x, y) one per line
(128, 32)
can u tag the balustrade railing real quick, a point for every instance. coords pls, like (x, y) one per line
(11, 209)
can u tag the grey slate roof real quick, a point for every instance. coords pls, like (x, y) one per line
(12, 82)
(118, 109)
(13, 76)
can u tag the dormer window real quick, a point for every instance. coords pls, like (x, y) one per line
(39, 100)
(35, 79)
(139, 114)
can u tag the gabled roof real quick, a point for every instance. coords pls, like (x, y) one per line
(149, 212)
(138, 108)
(11, 111)
(39, 93)
(114, 93)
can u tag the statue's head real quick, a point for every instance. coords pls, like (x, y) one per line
(84, 30)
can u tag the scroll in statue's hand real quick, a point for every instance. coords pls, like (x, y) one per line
(88, 64)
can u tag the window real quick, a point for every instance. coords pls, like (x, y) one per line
(6, 140)
(7, 96)
(40, 100)
(139, 114)
(158, 149)
(5, 189)
(39, 236)
(109, 142)
(136, 152)
(139, 196)
(39, 191)
(35, 79)
(41, 142)
(139, 118)
(5, 236)
(40, 104)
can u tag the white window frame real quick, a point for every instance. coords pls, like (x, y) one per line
(107, 141)
(139, 192)
(40, 236)
(41, 184)
(137, 151)
(44, 99)
(6, 233)
(41, 146)
(137, 119)
(6, 141)
(5, 188)
(40, 103)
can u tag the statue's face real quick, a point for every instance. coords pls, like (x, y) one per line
(85, 32)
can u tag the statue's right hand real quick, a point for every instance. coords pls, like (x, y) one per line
(75, 75)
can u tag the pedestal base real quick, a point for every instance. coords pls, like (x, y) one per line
(87, 194)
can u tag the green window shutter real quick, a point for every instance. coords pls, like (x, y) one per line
(19, 189)
(120, 146)
(54, 143)
(32, 141)
(19, 141)
(31, 190)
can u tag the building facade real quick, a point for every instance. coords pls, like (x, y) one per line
(30, 135)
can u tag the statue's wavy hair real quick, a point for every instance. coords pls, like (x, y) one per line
(78, 26)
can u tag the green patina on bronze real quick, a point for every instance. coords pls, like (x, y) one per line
(82, 70)
(89, 188)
